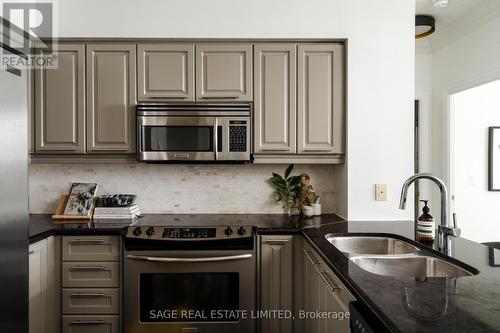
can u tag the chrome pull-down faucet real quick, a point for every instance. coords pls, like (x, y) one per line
(445, 230)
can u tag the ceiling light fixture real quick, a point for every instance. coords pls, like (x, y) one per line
(424, 26)
(439, 3)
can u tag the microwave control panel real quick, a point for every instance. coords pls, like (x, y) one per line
(238, 135)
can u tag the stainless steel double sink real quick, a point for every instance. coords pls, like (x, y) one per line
(390, 256)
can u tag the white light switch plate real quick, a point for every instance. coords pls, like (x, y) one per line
(381, 192)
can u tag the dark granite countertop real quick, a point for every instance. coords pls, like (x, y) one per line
(407, 304)
(41, 225)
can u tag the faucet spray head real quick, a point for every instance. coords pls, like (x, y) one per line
(402, 199)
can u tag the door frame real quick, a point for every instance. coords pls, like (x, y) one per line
(449, 119)
(424, 161)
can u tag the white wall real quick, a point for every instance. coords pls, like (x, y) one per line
(464, 63)
(380, 67)
(464, 55)
(479, 210)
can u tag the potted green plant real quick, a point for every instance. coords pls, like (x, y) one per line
(292, 191)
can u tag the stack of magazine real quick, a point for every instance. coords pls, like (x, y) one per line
(131, 212)
(113, 207)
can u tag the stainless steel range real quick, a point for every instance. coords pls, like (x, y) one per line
(180, 279)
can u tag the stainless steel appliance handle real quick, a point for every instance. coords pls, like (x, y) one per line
(173, 259)
(216, 138)
(88, 322)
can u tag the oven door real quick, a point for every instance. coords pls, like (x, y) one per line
(164, 138)
(189, 291)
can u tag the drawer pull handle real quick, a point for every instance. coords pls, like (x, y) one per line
(31, 252)
(88, 322)
(87, 268)
(88, 295)
(277, 241)
(219, 97)
(319, 150)
(167, 97)
(325, 276)
(309, 256)
(87, 241)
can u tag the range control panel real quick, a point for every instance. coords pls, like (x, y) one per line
(189, 233)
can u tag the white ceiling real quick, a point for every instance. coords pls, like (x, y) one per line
(455, 10)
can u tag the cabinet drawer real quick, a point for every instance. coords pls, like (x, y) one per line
(91, 324)
(90, 275)
(90, 248)
(91, 301)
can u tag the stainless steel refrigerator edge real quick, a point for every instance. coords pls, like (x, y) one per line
(14, 308)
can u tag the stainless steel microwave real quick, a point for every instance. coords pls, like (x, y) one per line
(173, 132)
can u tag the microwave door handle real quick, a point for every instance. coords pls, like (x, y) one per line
(189, 260)
(216, 138)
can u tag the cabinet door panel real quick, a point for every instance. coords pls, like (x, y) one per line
(60, 102)
(334, 304)
(111, 97)
(90, 324)
(312, 291)
(90, 248)
(90, 274)
(275, 98)
(166, 71)
(91, 301)
(224, 71)
(320, 98)
(276, 280)
(38, 286)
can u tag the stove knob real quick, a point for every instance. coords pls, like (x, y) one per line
(150, 231)
(137, 231)
(228, 231)
(241, 231)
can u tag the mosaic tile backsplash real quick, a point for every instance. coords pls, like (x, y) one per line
(177, 189)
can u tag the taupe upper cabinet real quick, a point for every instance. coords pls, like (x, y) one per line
(60, 102)
(166, 71)
(320, 99)
(275, 98)
(224, 72)
(111, 97)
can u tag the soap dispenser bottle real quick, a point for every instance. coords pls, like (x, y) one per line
(426, 230)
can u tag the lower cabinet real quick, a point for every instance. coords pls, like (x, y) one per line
(91, 324)
(323, 292)
(44, 309)
(90, 284)
(276, 280)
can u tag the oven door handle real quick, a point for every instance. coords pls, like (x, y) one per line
(207, 259)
